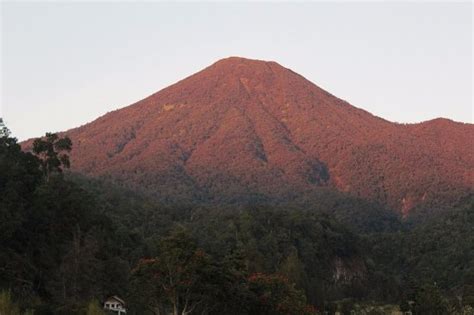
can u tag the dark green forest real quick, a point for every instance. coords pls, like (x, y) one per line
(68, 242)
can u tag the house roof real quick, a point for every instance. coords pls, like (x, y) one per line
(116, 298)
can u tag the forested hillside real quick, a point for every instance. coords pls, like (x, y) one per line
(245, 131)
(68, 242)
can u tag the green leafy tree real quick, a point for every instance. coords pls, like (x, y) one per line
(52, 151)
(75, 280)
(178, 280)
(293, 268)
(19, 178)
(55, 243)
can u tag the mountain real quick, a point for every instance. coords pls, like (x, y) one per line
(246, 130)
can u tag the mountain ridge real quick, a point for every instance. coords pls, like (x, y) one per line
(243, 127)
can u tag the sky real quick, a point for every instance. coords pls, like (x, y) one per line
(64, 64)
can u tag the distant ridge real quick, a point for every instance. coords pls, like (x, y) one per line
(243, 129)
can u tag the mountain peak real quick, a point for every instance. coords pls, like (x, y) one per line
(232, 66)
(244, 129)
(233, 60)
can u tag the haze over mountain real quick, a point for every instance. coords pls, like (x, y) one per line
(249, 130)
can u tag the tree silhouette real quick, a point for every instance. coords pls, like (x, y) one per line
(4, 131)
(50, 150)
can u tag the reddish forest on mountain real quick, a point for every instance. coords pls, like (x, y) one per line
(243, 129)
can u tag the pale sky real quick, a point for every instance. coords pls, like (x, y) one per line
(65, 64)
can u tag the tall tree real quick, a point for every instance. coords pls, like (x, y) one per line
(19, 177)
(52, 151)
(179, 276)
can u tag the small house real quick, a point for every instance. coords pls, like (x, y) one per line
(115, 304)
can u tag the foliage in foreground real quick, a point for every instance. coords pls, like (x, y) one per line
(184, 279)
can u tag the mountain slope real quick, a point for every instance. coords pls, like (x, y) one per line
(248, 130)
